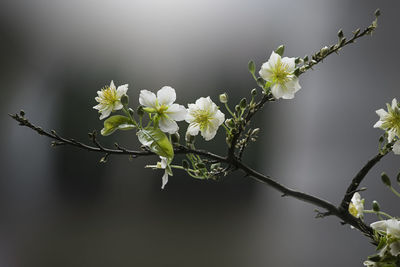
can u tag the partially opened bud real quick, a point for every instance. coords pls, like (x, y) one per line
(375, 206)
(223, 98)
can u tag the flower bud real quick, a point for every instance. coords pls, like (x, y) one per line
(255, 131)
(237, 108)
(340, 34)
(386, 179)
(280, 50)
(377, 12)
(200, 165)
(125, 100)
(230, 123)
(305, 58)
(375, 206)
(140, 111)
(131, 112)
(185, 164)
(254, 92)
(22, 113)
(223, 98)
(175, 138)
(243, 103)
(252, 67)
(324, 51)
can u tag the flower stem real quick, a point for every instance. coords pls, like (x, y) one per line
(378, 213)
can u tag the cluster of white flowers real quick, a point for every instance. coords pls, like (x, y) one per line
(389, 121)
(204, 115)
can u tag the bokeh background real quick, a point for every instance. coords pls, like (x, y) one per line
(61, 207)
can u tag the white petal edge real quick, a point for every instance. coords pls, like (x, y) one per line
(166, 96)
(147, 99)
(177, 112)
(396, 147)
(167, 125)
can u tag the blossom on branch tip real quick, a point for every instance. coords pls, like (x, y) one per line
(279, 73)
(109, 99)
(390, 228)
(167, 113)
(204, 116)
(356, 207)
(389, 121)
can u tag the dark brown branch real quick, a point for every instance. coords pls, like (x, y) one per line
(355, 183)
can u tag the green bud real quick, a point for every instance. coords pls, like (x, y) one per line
(261, 82)
(22, 113)
(125, 100)
(175, 138)
(237, 108)
(140, 111)
(230, 123)
(131, 112)
(386, 179)
(305, 58)
(297, 72)
(297, 60)
(255, 131)
(254, 92)
(324, 51)
(185, 164)
(381, 139)
(340, 34)
(375, 206)
(223, 98)
(243, 103)
(200, 165)
(377, 12)
(280, 50)
(252, 67)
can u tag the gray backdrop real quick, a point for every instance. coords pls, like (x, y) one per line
(61, 207)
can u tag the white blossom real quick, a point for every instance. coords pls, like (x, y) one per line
(163, 164)
(204, 116)
(370, 264)
(167, 113)
(390, 228)
(356, 207)
(278, 72)
(389, 121)
(109, 99)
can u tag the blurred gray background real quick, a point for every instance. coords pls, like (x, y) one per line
(61, 207)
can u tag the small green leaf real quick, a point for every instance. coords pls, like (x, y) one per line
(382, 243)
(156, 141)
(280, 50)
(252, 67)
(116, 122)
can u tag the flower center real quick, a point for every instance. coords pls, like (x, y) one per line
(202, 117)
(280, 73)
(109, 95)
(393, 121)
(162, 109)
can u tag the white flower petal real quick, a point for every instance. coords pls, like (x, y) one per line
(265, 71)
(290, 63)
(112, 85)
(396, 147)
(395, 248)
(379, 225)
(277, 91)
(220, 117)
(391, 135)
(118, 105)
(394, 103)
(147, 99)
(177, 112)
(274, 59)
(378, 124)
(167, 125)
(122, 89)
(105, 113)
(164, 180)
(381, 113)
(166, 96)
(193, 129)
(208, 133)
(164, 162)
